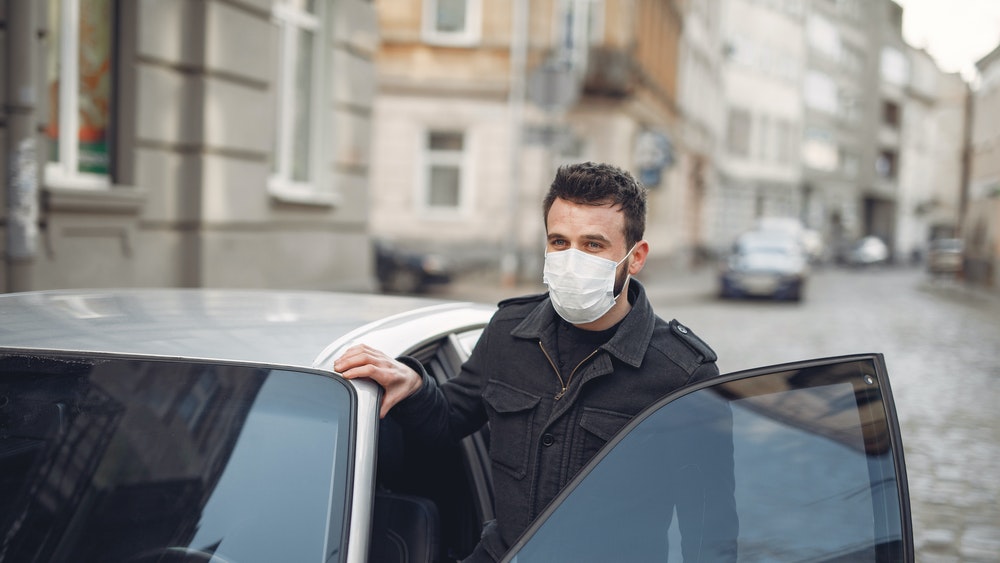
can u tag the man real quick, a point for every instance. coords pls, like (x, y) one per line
(555, 375)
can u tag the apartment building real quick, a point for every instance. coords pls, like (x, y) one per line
(479, 101)
(186, 143)
(981, 221)
(764, 65)
(933, 132)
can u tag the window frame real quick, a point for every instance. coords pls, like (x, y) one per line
(290, 22)
(739, 132)
(591, 30)
(200, 432)
(470, 35)
(64, 171)
(459, 159)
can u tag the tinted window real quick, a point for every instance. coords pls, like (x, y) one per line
(109, 460)
(789, 466)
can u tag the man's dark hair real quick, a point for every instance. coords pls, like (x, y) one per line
(590, 183)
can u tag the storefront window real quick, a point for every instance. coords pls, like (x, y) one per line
(79, 75)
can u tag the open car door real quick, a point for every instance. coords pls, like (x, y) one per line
(797, 462)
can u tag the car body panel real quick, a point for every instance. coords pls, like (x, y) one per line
(289, 328)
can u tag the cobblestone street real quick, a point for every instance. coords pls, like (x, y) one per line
(940, 342)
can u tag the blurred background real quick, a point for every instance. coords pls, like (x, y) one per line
(397, 144)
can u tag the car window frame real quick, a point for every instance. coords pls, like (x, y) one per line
(355, 409)
(892, 422)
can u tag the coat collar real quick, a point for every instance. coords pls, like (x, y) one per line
(630, 341)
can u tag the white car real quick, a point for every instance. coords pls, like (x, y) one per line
(208, 425)
(869, 251)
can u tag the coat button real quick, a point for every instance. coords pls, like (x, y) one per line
(548, 440)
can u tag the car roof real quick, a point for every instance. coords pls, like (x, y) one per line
(768, 238)
(276, 327)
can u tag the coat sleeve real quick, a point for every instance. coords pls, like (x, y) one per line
(443, 414)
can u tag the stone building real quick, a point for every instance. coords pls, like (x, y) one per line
(761, 171)
(186, 143)
(480, 100)
(702, 102)
(933, 132)
(981, 222)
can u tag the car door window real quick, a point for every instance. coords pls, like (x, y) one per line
(798, 463)
(105, 459)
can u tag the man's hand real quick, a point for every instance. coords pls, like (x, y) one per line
(398, 380)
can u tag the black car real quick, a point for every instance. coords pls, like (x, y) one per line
(402, 270)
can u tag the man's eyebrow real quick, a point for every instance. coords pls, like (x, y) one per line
(597, 237)
(588, 237)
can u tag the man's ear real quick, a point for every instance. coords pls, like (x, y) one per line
(639, 254)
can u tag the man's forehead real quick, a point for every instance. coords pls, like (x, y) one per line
(598, 221)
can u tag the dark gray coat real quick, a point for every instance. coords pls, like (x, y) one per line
(540, 437)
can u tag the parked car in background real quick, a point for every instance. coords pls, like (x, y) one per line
(401, 270)
(810, 239)
(945, 256)
(869, 251)
(764, 264)
(208, 425)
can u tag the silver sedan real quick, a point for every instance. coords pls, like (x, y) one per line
(208, 425)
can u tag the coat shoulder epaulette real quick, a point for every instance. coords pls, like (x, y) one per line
(523, 299)
(692, 341)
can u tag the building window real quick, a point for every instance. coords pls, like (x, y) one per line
(895, 68)
(823, 37)
(452, 22)
(738, 134)
(849, 163)
(785, 141)
(890, 114)
(579, 25)
(819, 151)
(444, 173)
(79, 76)
(300, 43)
(886, 164)
(821, 92)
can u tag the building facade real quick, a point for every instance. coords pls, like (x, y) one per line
(881, 163)
(932, 130)
(841, 66)
(479, 102)
(760, 171)
(187, 143)
(702, 102)
(981, 221)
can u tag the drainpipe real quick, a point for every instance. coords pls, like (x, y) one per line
(20, 98)
(509, 262)
(965, 171)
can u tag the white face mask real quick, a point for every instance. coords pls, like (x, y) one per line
(581, 285)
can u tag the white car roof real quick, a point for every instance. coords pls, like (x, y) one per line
(291, 328)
